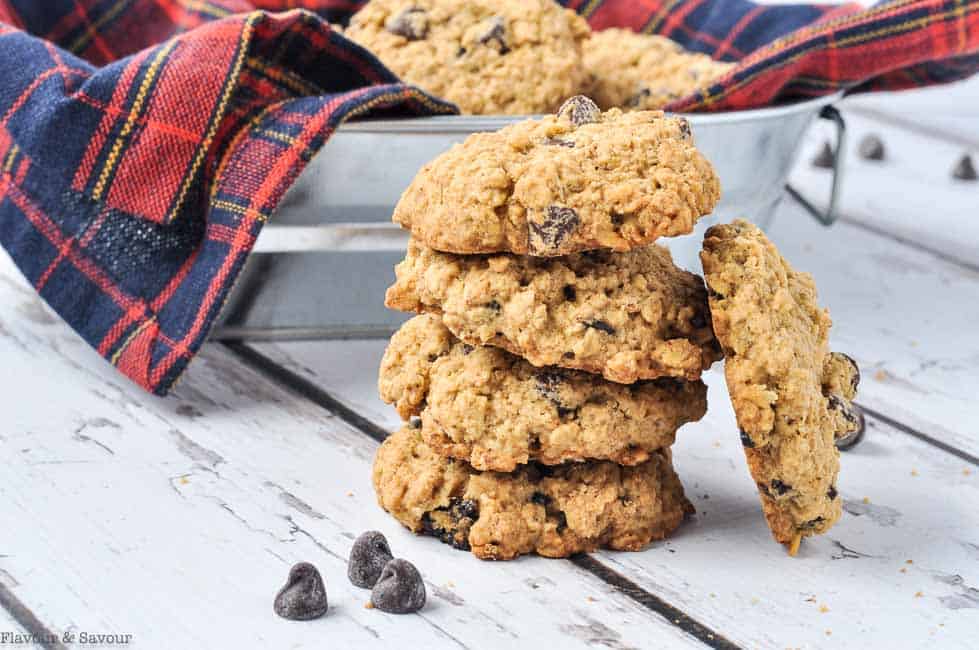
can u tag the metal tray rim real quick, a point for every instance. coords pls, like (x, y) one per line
(473, 123)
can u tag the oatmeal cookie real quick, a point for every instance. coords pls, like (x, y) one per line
(627, 316)
(487, 56)
(496, 411)
(644, 71)
(792, 396)
(565, 183)
(551, 511)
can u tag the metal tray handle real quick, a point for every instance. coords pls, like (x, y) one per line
(828, 217)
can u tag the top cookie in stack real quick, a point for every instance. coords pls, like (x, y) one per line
(560, 348)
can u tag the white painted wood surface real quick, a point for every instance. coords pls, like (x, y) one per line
(176, 520)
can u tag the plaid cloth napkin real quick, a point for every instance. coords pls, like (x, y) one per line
(144, 143)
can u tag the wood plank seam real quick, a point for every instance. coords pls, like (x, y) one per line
(21, 613)
(306, 389)
(924, 437)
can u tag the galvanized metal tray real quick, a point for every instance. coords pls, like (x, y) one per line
(321, 266)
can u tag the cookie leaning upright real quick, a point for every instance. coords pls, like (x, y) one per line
(566, 183)
(514, 57)
(791, 396)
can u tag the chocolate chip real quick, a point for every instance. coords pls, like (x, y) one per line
(825, 158)
(780, 487)
(493, 33)
(432, 358)
(831, 493)
(415, 423)
(812, 523)
(368, 556)
(562, 521)
(964, 170)
(871, 148)
(466, 348)
(685, 128)
(558, 223)
(494, 305)
(451, 524)
(465, 509)
(746, 440)
(303, 597)
(579, 110)
(616, 218)
(412, 23)
(400, 589)
(698, 321)
(540, 498)
(569, 293)
(568, 355)
(600, 325)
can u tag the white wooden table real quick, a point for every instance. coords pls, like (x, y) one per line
(176, 520)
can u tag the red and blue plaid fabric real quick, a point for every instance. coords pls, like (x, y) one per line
(144, 143)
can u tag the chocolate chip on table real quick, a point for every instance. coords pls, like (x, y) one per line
(579, 110)
(412, 23)
(400, 589)
(559, 222)
(493, 33)
(746, 440)
(825, 158)
(303, 597)
(600, 325)
(871, 148)
(368, 556)
(964, 169)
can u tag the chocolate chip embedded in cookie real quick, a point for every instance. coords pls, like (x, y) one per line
(644, 71)
(627, 316)
(552, 511)
(792, 397)
(572, 182)
(513, 57)
(496, 411)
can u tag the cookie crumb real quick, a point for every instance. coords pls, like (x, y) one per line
(914, 472)
(904, 569)
(350, 494)
(919, 594)
(909, 561)
(368, 605)
(866, 499)
(823, 609)
(794, 544)
(880, 375)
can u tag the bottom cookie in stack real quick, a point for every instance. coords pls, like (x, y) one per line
(554, 511)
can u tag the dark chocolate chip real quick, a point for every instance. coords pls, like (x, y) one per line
(494, 34)
(825, 158)
(568, 355)
(580, 110)
(600, 325)
(746, 440)
(562, 521)
(616, 218)
(432, 358)
(412, 23)
(569, 293)
(494, 305)
(415, 423)
(685, 127)
(812, 523)
(548, 384)
(303, 597)
(698, 321)
(460, 515)
(368, 556)
(540, 498)
(831, 493)
(871, 148)
(559, 222)
(780, 487)
(466, 348)
(400, 589)
(964, 170)
(460, 52)
(465, 509)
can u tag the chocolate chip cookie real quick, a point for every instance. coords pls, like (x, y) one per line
(552, 511)
(644, 71)
(487, 56)
(792, 396)
(566, 183)
(627, 316)
(496, 411)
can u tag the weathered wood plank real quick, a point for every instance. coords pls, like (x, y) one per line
(177, 520)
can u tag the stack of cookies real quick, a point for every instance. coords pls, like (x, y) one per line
(558, 349)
